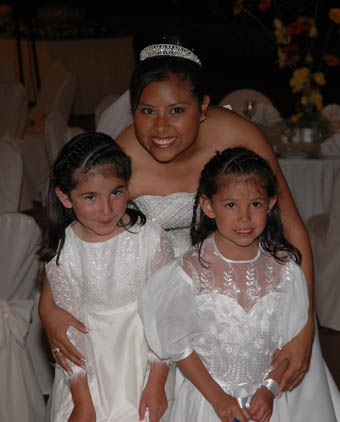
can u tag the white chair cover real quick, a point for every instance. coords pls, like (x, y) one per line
(20, 396)
(332, 112)
(56, 134)
(13, 109)
(103, 105)
(324, 231)
(116, 117)
(14, 190)
(56, 94)
(239, 98)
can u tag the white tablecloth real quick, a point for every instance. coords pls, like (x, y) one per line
(310, 181)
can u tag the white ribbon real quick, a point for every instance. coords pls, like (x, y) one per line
(15, 318)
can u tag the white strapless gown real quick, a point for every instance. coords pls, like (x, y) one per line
(174, 213)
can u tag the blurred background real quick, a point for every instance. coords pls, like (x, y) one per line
(233, 38)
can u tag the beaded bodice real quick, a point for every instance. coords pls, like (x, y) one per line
(173, 212)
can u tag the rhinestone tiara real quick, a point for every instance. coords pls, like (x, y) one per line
(168, 50)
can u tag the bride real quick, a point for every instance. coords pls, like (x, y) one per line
(175, 132)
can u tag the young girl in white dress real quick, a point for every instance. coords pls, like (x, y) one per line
(222, 309)
(99, 254)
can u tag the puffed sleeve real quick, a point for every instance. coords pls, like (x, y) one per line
(162, 252)
(167, 307)
(295, 312)
(66, 296)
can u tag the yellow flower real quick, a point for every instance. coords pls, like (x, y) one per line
(304, 100)
(313, 32)
(316, 99)
(282, 57)
(300, 79)
(334, 15)
(295, 117)
(277, 23)
(281, 32)
(309, 59)
(319, 78)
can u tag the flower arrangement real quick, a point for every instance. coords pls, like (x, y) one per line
(300, 46)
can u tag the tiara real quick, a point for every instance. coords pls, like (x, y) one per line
(168, 50)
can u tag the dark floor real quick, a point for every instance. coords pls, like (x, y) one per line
(330, 345)
(329, 339)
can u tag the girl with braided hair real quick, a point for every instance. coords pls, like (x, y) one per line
(98, 254)
(221, 310)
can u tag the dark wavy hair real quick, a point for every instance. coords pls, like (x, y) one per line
(83, 153)
(161, 68)
(239, 162)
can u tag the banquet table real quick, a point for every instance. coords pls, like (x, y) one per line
(310, 181)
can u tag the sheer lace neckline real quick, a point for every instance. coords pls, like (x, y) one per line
(224, 258)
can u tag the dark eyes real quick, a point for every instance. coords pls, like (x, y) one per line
(147, 111)
(177, 110)
(256, 204)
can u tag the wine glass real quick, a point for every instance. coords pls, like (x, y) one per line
(249, 109)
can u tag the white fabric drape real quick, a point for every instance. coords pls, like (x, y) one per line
(21, 398)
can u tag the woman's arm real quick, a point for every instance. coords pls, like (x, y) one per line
(56, 322)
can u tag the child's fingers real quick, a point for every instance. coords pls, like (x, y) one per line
(142, 409)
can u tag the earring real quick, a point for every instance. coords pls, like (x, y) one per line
(202, 118)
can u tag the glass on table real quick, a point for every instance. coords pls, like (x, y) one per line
(249, 109)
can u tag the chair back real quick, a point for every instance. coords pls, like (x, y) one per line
(13, 109)
(19, 239)
(103, 105)
(239, 99)
(57, 133)
(56, 94)
(11, 175)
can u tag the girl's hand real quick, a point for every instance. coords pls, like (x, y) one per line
(261, 406)
(155, 400)
(83, 414)
(298, 353)
(227, 409)
(56, 322)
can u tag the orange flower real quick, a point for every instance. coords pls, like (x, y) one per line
(238, 7)
(331, 60)
(265, 5)
(334, 15)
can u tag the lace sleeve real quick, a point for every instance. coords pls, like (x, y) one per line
(66, 296)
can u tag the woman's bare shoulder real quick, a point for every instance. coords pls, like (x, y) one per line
(227, 129)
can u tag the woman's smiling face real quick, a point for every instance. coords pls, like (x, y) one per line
(167, 118)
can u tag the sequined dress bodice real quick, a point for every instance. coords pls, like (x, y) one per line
(174, 213)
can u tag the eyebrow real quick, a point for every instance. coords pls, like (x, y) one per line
(170, 105)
